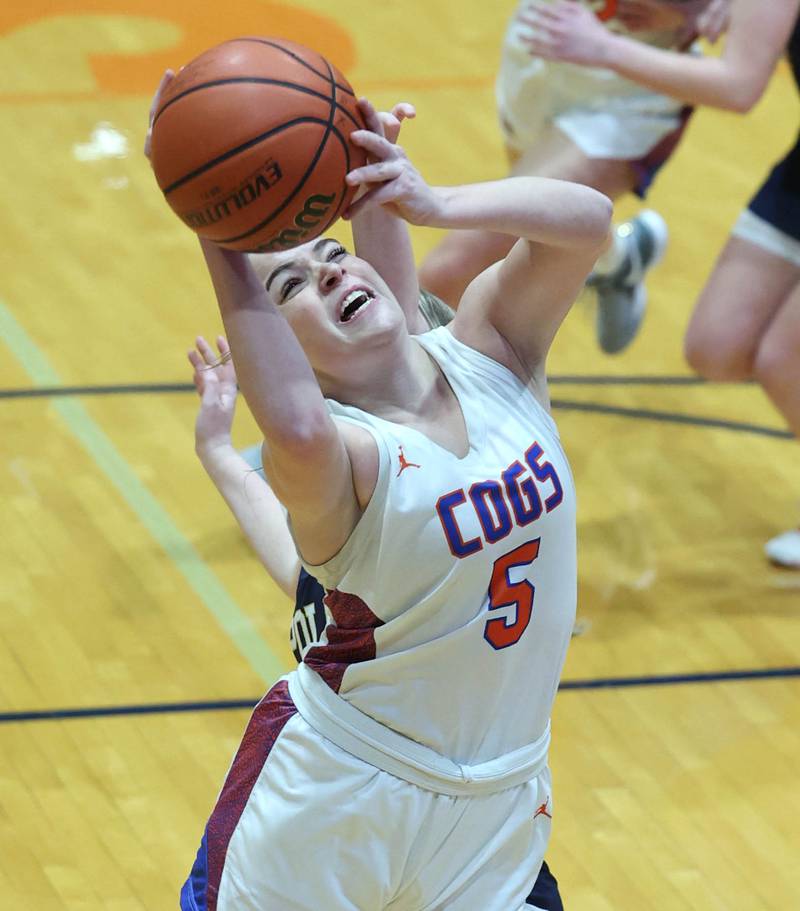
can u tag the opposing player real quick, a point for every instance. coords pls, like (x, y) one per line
(593, 127)
(746, 324)
(426, 488)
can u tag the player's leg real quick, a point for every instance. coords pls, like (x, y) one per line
(463, 255)
(741, 297)
(746, 324)
(777, 364)
(777, 369)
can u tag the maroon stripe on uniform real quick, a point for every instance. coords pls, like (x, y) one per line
(350, 641)
(265, 725)
(647, 167)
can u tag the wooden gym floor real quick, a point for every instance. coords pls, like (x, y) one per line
(135, 626)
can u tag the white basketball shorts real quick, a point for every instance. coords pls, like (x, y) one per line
(303, 825)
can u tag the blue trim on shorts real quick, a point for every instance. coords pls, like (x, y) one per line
(195, 889)
(545, 893)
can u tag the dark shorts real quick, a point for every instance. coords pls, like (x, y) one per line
(778, 200)
(545, 893)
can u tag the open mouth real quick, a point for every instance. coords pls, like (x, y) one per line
(353, 303)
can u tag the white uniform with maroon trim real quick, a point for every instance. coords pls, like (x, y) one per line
(604, 114)
(404, 765)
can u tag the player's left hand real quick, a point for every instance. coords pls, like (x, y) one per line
(564, 30)
(215, 380)
(166, 79)
(389, 179)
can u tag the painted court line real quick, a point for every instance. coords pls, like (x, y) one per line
(602, 683)
(144, 505)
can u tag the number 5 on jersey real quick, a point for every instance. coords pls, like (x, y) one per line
(500, 632)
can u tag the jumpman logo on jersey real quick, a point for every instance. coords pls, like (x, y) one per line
(404, 463)
(542, 811)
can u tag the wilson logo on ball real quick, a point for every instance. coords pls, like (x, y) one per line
(316, 207)
(267, 176)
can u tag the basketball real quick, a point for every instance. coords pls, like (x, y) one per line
(251, 144)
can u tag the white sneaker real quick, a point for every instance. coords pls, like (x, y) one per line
(784, 550)
(621, 296)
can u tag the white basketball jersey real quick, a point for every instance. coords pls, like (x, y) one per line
(454, 598)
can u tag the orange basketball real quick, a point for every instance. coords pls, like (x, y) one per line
(251, 144)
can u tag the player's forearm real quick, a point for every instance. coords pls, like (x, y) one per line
(383, 240)
(256, 509)
(712, 81)
(550, 212)
(273, 371)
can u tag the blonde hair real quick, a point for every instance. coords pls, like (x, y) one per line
(435, 311)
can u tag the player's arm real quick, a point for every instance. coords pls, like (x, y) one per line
(323, 474)
(512, 311)
(251, 500)
(381, 237)
(756, 38)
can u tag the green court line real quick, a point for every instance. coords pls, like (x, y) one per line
(144, 505)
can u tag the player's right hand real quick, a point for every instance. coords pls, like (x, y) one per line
(215, 380)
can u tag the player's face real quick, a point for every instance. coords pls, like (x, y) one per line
(333, 300)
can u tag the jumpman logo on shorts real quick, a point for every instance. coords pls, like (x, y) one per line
(542, 811)
(404, 463)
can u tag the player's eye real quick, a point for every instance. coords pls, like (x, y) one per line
(335, 253)
(288, 286)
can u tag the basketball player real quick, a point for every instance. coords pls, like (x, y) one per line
(594, 127)
(746, 324)
(263, 519)
(251, 500)
(403, 764)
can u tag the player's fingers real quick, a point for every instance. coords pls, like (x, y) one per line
(210, 357)
(541, 44)
(379, 172)
(372, 118)
(378, 196)
(375, 145)
(168, 76)
(206, 351)
(404, 110)
(197, 364)
(222, 345)
(391, 126)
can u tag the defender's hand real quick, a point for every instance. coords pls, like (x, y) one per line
(215, 380)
